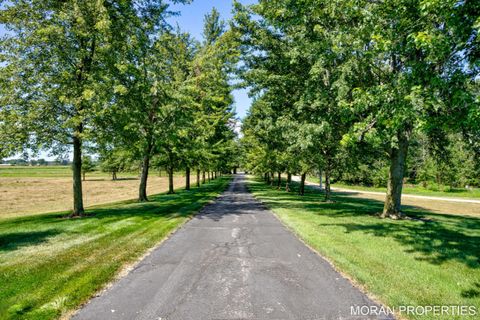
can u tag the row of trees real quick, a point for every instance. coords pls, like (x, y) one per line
(340, 80)
(456, 167)
(114, 78)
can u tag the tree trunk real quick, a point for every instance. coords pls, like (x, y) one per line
(114, 175)
(142, 191)
(267, 177)
(302, 184)
(320, 176)
(328, 192)
(203, 177)
(83, 176)
(187, 179)
(393, 200)
(289, 177)
(234, 170)
(78, 209)
(198, 178)
(279, 182)
(170, 181)
(215, 174)
(272, 178)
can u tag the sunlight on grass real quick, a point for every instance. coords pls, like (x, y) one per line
(433, 260)
(50, 265)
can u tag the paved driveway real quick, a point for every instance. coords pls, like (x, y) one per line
(234, 260)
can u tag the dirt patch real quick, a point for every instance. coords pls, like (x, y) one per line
(25, 196)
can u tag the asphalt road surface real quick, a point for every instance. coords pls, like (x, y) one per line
(234, 260)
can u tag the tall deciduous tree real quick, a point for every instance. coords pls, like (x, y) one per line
(54, 74)
(420, 73)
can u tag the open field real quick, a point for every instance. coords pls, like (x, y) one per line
(62, 172)
(412, 189)
(49, 265)
(433, 260)
(29, 190)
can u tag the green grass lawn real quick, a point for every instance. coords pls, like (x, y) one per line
(408, 189)
(434, 260)
(49, 265)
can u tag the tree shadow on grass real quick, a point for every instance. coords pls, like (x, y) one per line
(436, 242)
(473, 292)
(22, 231)
(438, 238)
(16, 240)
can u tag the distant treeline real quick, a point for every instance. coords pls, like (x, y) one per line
(452, 167)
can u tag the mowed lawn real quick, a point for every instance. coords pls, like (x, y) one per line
(30, 190)
(433, 260)
(49, 264)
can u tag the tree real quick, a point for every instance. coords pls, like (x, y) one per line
(335, 73)
(146, 87)
(115, 160)
(87, 166)
(54, 74)
(212, 126)
(418, 81)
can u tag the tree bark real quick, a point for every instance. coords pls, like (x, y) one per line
(328, 192)
(198, 178)
(142, 191)
(203, 177)
(187, 178)
(170, 181)
(393, 199)
(78, 209)
(272, 178)
(320, 176)
(289, 177)
(302, 184)
(279, 182)
(83, 176)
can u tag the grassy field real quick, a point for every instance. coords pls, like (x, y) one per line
(40, 172)
(49, 265)
(433, 260)
(62, 172)
(30, 190)
(412, 189)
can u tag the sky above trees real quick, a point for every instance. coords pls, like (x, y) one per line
(191, 20)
